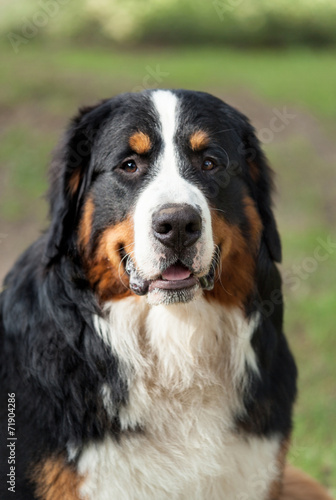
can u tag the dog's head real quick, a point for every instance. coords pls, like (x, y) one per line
(164, 194)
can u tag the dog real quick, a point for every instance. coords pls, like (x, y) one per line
(137, 360)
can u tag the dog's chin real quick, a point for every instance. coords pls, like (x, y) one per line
(157, 296)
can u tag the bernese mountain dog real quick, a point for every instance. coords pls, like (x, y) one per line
(138, 359)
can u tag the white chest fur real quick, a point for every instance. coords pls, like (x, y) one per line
(185, 367)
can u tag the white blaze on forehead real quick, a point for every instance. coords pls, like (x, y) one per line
(173, 188)
(166, 105)
(168, 186)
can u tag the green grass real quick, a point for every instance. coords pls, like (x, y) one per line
(41, 88)
(24, 156)
(302, 77)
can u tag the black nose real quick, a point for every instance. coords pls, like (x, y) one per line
(177, 226)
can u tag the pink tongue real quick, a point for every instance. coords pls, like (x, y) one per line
(176, 272)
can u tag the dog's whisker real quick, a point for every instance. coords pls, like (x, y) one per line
(121, 263)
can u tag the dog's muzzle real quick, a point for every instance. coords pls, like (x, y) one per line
(177, 242)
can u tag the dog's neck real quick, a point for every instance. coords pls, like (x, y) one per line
(179, 348)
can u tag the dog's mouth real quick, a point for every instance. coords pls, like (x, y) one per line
(176, 277)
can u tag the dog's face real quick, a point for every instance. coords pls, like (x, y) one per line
(164, 194)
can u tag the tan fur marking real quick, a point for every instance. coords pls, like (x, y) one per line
(85, 226)
(276, 486)
(235, 279)
(199, 140)
(140, 143)
(254, 170)
(74, 181)
(104, 269)
(254, 220)
(299, 486)
(56, 480)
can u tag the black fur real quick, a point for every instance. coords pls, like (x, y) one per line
(51, 356)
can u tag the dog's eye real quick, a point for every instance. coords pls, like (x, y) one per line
(208, 164)
(129, 166)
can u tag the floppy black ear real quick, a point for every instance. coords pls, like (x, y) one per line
(70, 175)
(261, 181)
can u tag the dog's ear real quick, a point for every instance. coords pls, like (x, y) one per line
(70, 175)
(260, 178)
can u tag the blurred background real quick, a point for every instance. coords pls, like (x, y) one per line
(275, 61)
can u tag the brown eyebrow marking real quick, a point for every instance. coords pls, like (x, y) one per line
(140, 143)
(199, 140)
